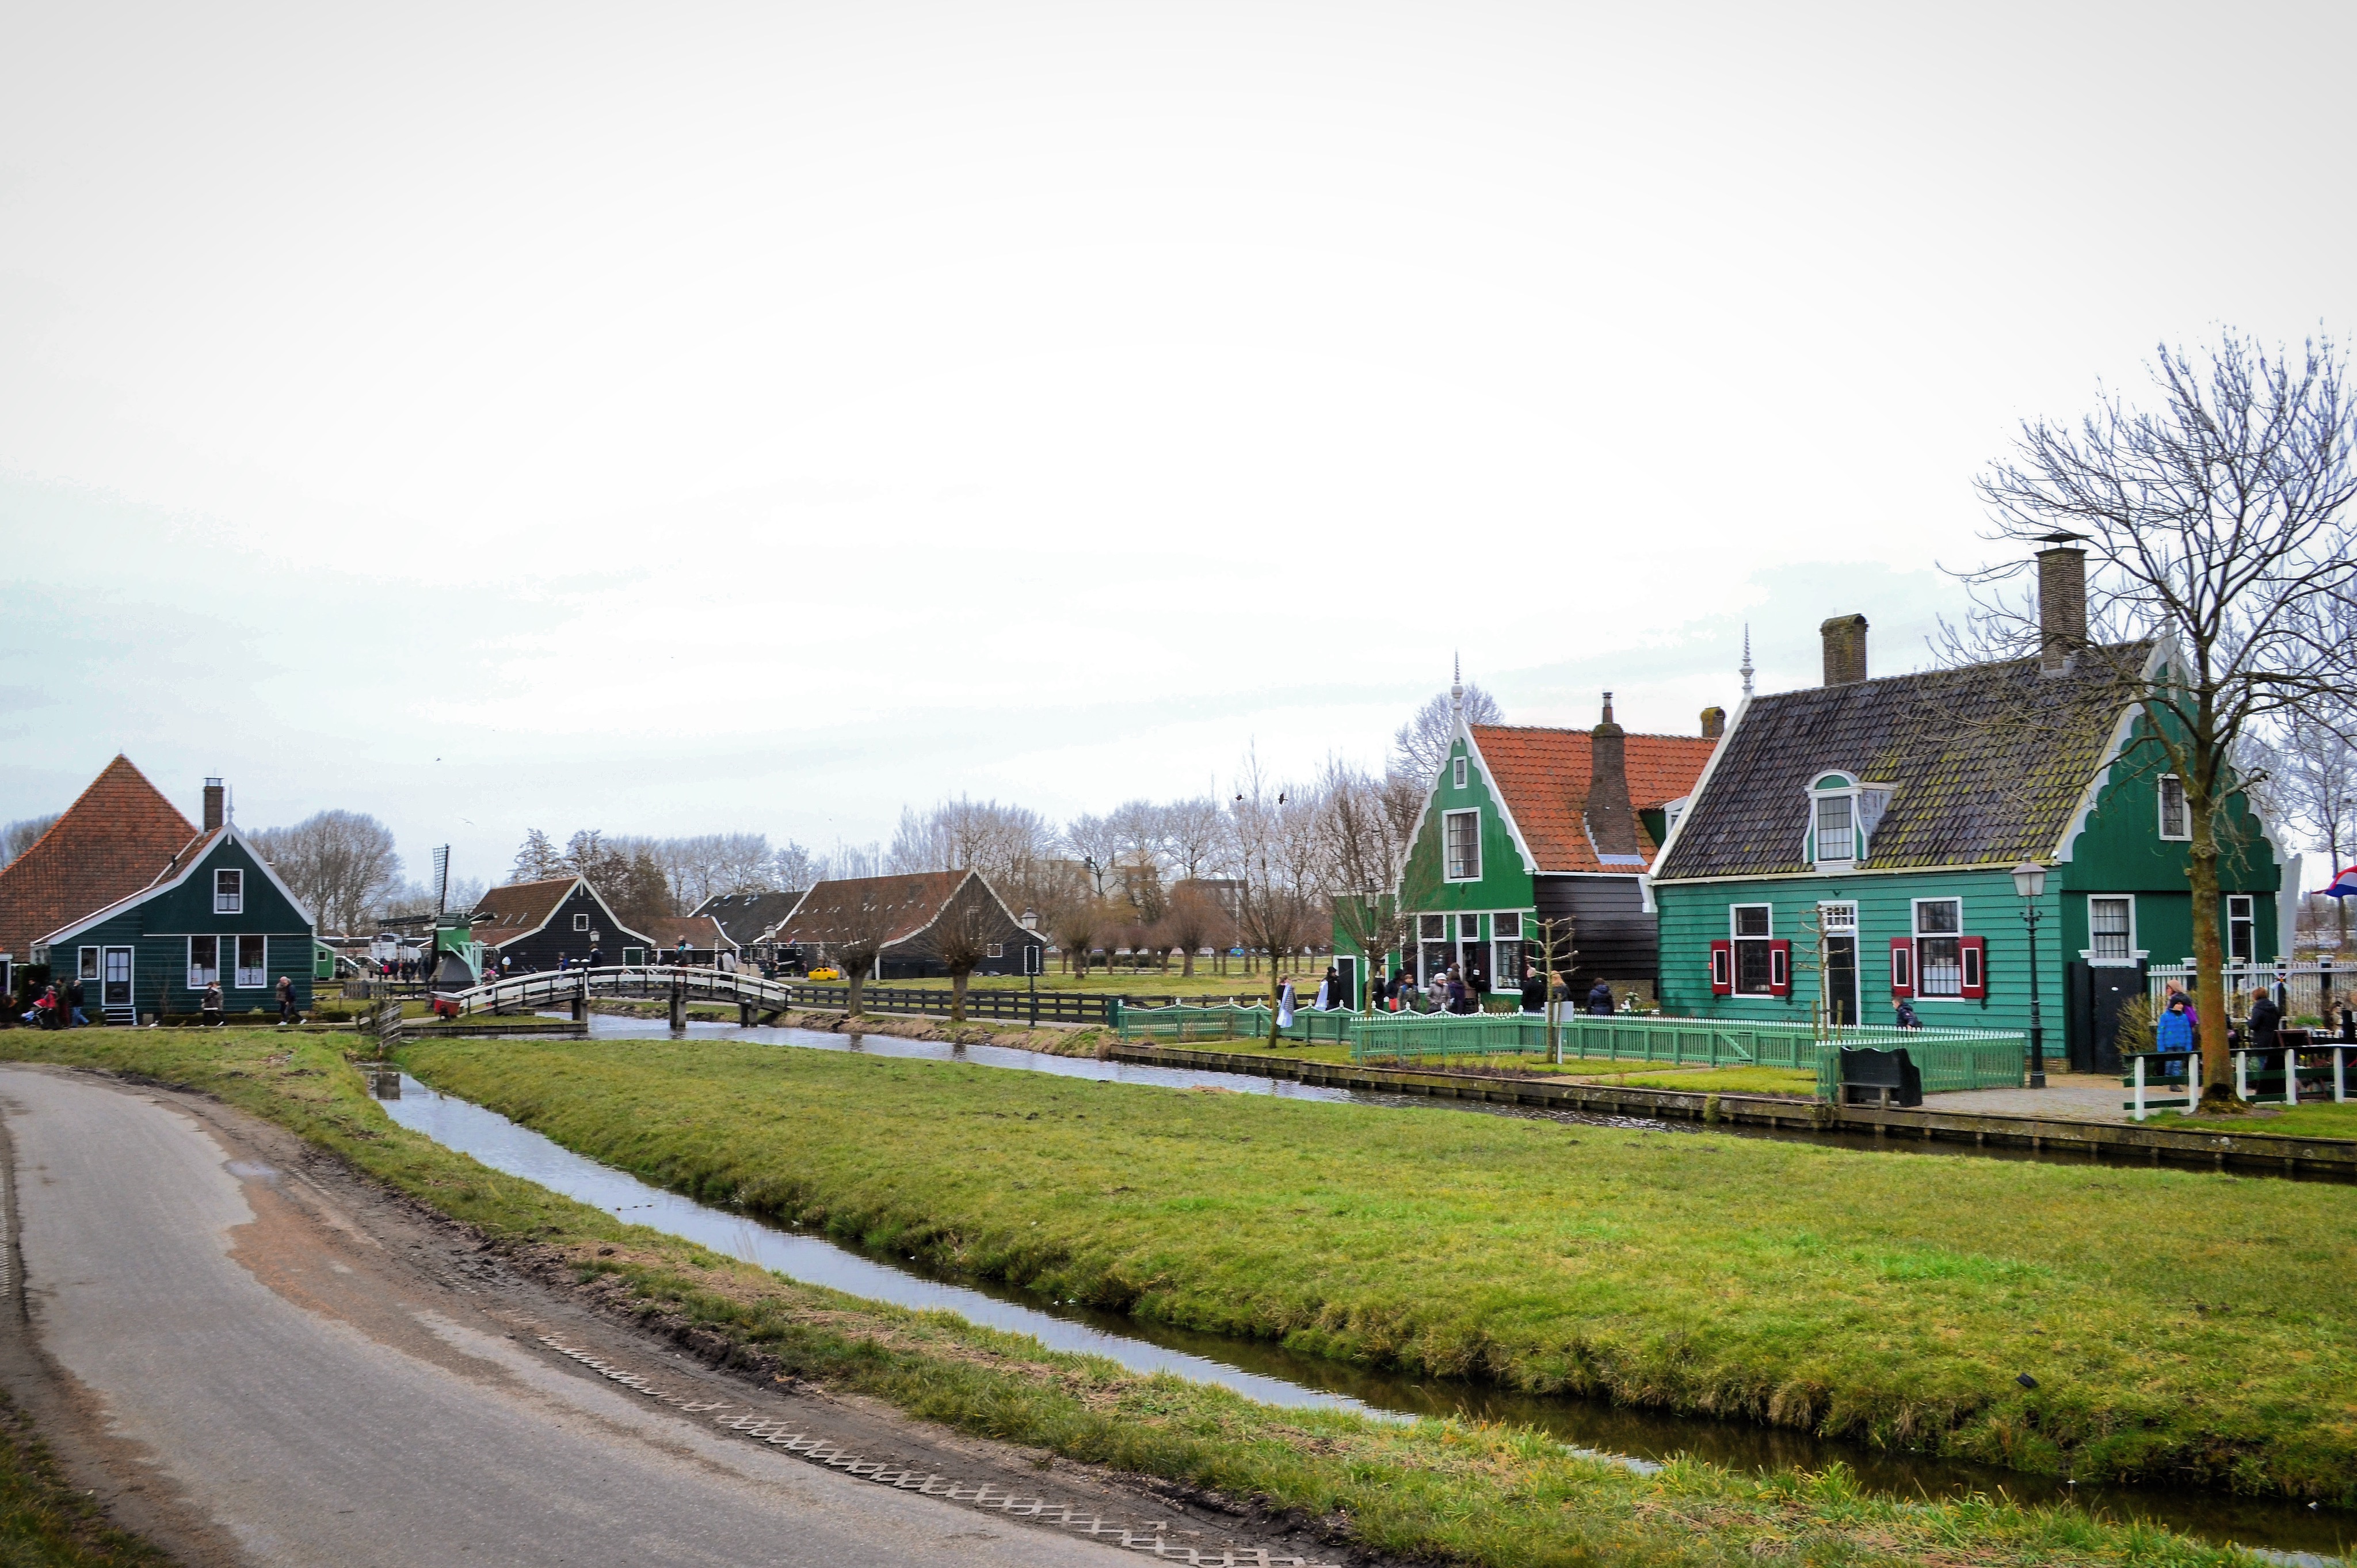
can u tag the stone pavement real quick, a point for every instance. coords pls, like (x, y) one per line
(2076, 1097)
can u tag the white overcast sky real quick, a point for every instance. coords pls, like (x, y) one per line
(685, 417)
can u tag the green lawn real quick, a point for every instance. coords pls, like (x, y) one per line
(2323, 1120)
(1889, 1298)
(1716, 1081)
(1443, 1491)
(1640, 1074)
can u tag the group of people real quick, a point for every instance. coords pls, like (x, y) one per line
(57, 1007)
(1453, 989)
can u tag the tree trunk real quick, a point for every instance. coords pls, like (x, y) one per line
(854, 976)
(2209, 981)
(957, 995)
(1187, 967)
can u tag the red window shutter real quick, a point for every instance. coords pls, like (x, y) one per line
(1975, 959)
(1903, 966)
(1722, 969)
(1779, 969)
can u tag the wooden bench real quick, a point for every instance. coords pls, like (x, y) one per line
(1892, 1076)
(2144, 1071)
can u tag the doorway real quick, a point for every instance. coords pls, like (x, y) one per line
(1348, 967)
(2098, 992)
(1841, 981)
(115, 985)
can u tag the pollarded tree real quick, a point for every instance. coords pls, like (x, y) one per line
(340, 864)
(1276, 855)
(2218, 529)
(961, 936)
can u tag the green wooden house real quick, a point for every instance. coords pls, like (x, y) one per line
(215, 912)
(1852, 844)
(1527, 823)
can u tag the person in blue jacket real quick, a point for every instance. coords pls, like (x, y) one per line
(2172, 1033)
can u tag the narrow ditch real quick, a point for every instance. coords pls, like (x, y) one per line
(1274, 1375)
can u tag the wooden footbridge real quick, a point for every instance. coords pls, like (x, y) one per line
(758, 1001)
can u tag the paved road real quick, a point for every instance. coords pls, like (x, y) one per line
(303, 1402)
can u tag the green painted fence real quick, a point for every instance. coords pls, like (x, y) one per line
(1176, 1026)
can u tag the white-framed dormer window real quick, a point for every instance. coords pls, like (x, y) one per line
(2176, 822)
(1457, 773)
(1672, 810)
(1843, 814)
(1462, 839)
(2111, 929)
(580, 922)
(229, 892)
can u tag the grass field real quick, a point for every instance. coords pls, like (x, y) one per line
(1432, 1490)
(1636, 1073)
(44, 1523)
(2324, 1119)
(2176, 1324)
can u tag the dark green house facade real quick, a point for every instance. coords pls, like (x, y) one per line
(216, 914)
(1853, 844)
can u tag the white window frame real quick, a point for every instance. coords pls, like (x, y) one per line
(1456, 772)
(1737, 935)
(1447, 865)
(197, 979)
(86, 964)
(232, 901)
(1818, 800)
(2135, 954)
(581, 922)
(1504, 976)
(238, 968)
(1838, 918)
(130, 973)
(1916, 936)
(2184, 810)
(2248, 906)
(1861, 794)
(994, 950)
(1427, 931)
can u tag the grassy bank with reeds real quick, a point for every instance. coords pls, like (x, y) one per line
(1430, 1491)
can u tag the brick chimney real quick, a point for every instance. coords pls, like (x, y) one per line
(2062, 604)
(1844, 638)
(1714, 722)
(1611, 823)
(214, 796)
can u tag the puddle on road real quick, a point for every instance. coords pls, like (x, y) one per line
(1270, 1373)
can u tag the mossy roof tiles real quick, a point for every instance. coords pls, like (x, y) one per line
(1988, 763)
(855, 909)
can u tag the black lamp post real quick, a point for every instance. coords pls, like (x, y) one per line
(2030, 881)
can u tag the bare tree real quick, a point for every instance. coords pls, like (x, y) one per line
(538, 860)
(2217, 523)
(793, 868)
(1421, 744)
(23, 834)
(1097, 842)
(2307, 774)
(341, 865)
(1273, 829)
(1361, 854)
(858, 917)
(961, 937)
(1193, 916)
(1193, 831)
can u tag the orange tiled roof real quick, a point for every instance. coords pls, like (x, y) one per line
(114, 841)
(1542, 774)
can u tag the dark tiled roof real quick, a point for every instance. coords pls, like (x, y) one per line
(1988, 763)
(701, 931)
(1541, 775)
(116, 840)
(843, 910)
(745, 915)
(519, 907)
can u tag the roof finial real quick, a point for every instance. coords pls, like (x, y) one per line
(1746, 670)
(1456, 685)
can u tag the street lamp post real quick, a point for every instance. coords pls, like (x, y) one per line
(2030, 881)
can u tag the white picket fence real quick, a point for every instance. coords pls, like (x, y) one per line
(2302, 988)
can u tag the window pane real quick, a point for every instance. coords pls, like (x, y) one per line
(1506, 964)
(1464, 845)
(1751, 919)
(204, 961)
(1940, 967)
(252, 961)
(2172, 807)
(1938, 917)
(90, 963)
(1834, 837)
(1435, 928)
(1752, 972)
(1506, 925)
(1839, 917)
(2107, 925)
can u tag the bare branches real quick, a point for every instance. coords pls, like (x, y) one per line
(1420, 746)
(340, 864)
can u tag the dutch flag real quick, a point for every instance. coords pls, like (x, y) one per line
(2342, 885)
